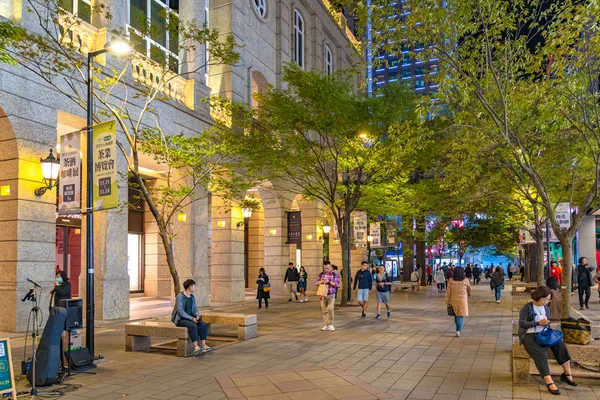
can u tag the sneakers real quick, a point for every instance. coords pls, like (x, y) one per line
(329, 328)
(206, 349)
(197, 350)
(364, 315)
(389, 314)
(378, 316)
(457, 334)
(497, 301)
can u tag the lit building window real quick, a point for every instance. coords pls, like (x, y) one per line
(81, 8)
(298, 39)
(420, 84)
(150, 30)
(328, 61)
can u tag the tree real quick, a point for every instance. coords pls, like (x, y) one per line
(191, 162)
(9, 34)
(322, 139)
(503, 63)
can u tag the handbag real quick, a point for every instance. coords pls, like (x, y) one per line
(548, 337)
(576, 331)
(323, 290)
(450, 310)
(267, 287)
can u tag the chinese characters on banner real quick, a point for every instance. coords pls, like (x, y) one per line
(375, 233)
(294, 219)
(105, 166)
(360, 227)
(69, 184)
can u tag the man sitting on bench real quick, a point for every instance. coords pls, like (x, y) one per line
(186, 314)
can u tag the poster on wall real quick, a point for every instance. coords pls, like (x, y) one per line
(104, 166)
(360, 227)
(563, 215)
(69, 184)
(294, 220)
(375, 233)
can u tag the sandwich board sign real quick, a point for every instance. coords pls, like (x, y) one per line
(7, 376)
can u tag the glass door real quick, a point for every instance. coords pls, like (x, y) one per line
(134, 262)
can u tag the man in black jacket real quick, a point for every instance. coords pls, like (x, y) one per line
(291, 277)
(584, 281)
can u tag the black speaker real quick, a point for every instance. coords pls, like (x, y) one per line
(74, 309)
(48, 351)
(80, 360)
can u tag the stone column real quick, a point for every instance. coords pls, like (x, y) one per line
(277, 251)
(227, 274)
(27, 222)
(256, 245)
(313, 213)
(587, 239)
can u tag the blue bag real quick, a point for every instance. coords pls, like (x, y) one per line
(548, 337)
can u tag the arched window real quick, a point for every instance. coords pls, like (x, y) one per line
(298, 39)
(328, 60)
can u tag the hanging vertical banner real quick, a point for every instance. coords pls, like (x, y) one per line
(105, 166)
(563, 215)
(294, 219)
(69, 184)
(360, 227)
(375, 233)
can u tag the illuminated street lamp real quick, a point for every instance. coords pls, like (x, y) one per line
(50, 168)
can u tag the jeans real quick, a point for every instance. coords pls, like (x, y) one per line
(194, 329)
(498, 292)
(584, 290)
(458, 321)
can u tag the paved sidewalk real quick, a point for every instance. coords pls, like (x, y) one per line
(412, 355)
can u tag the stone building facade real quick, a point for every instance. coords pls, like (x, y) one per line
(210, 244)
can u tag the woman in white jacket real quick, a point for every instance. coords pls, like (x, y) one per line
(440, 279)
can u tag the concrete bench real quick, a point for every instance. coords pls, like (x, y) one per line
(521, 362)
(527, 286)
(138, 334)
(408, 285)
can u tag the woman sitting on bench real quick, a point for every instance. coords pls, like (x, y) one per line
(534, 316)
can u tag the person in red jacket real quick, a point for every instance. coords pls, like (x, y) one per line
(556, 271)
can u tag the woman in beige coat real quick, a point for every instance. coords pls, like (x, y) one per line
(457, 292)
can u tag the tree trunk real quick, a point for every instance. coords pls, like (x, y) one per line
(539, 244)
(566, 242)
(527, 262)
(345, 242)
(167, 244)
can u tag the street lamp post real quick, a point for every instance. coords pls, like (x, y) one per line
(117, 47)
(247, 213)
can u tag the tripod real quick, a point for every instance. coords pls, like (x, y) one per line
(35, 310)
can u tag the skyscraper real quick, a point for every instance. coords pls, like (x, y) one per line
(411, 65)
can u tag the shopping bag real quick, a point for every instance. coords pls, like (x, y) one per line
(322, 290)
(576, 331)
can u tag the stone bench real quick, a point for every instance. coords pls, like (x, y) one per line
(521, 362)
(408, 285)
(138, 334)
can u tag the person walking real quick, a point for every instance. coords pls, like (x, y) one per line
(186, 314)
(556, 271)
(509, 271)
(583, 282)
(555, 303)
(384, 287)
(261, 293)
(440, 279)
(457, 293)
(429, 272)
(364, 279)
(469, 273)
(291, 278)
(497, 283)
(476, 274)
(522, 272)
(533, 317)
(331, 281)
(302, 279)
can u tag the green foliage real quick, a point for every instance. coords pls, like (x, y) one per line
(9, 34)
